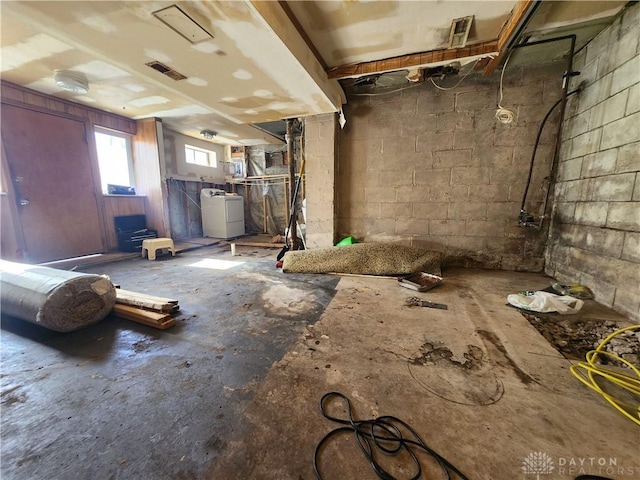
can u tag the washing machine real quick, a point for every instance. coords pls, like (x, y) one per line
(222, 214)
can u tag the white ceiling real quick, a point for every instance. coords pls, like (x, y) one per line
(256, 68)
(350, 32)
(245, 74)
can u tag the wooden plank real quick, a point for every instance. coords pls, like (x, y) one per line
(411, 61)
(129, 293)
(157, 304)
(522, 9)
(256, 244)
(146, 305)
(264, 214)
(493, 63)
(152, 319)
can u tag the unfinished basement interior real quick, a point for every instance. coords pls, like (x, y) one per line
(299, 240)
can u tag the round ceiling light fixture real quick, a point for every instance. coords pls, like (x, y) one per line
(208, 134)
(72, 82)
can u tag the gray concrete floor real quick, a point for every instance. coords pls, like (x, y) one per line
(122, 400)
(232, 390)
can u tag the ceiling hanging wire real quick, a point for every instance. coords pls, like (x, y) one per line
(504, 115)
(459, 82)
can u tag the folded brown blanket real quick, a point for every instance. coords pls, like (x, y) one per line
(363, 259)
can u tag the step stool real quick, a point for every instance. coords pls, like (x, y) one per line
(153, 244)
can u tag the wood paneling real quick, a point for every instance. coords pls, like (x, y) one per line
(115, 206)
(17, 95)
(149, 181)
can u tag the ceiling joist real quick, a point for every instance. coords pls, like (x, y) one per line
(520, 15)
(414, 60)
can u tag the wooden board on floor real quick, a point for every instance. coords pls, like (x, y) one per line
(136, 299)
(264, 241)
(257, 244)
(158, 320)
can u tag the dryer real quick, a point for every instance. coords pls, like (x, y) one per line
(222, 215)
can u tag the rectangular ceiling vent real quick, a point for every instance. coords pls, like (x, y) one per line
(459, 34)
(163, 69)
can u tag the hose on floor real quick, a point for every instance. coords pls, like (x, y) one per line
(382, 435)
(588, 372)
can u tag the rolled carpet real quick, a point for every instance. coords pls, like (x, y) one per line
(55, 299)
(363, 259)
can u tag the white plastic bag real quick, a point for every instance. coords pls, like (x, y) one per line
(545, 302)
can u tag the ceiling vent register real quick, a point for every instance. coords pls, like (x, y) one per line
(163, 69)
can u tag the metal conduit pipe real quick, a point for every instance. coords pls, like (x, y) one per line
(524, 218)
(535, 146)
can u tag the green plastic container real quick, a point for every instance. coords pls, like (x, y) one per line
(346, 241)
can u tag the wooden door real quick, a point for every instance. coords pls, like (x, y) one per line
(50, 166)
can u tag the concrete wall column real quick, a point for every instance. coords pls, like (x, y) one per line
(321, 153)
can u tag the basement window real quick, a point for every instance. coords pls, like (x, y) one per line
(200, 156)
(115, 161)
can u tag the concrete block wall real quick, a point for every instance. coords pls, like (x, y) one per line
(321, 154)
(595, 234)
(434, 168)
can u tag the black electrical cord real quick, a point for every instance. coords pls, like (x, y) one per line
(381, 434)
(591, 477)
(535, 147)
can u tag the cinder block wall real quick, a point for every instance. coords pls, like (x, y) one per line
(434, 168)
(321, 154)
(595, 235)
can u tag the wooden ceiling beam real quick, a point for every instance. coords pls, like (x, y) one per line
(519, 17)
(414, 60)
(287, 9)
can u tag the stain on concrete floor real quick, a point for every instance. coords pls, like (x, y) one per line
(437, 354)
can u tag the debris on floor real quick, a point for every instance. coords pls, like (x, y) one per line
(578, 291)
(545, 302)
(418, 302)
(420, 281)
(364, 259)
(575, 338)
